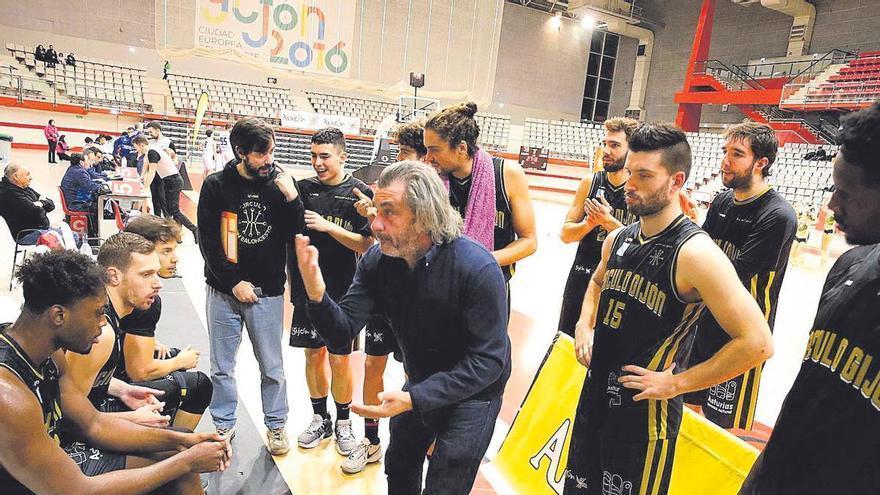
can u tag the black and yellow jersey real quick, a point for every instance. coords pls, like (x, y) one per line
(641, 320)
(827, 436)
(756, 235)
(589, 250)
(460, 192)
(42, 380)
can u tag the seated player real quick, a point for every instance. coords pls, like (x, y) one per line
(64, 299)
(133, 285)
(143, 358)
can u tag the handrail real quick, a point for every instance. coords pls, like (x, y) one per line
(843, 55)
(737, 78)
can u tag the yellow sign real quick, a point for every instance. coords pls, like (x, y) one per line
(533, 457)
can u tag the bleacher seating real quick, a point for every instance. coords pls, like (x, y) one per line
(229, 99)
(371, 112)
(855, 85)
(91, 82)
(291, 149)
(564, 139)
(494, 131)
(799, 180)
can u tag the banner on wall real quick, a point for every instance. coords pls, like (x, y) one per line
(534, 454)
(303, 35)
(315, 121)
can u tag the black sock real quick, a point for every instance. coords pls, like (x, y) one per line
(319, 405)
(342, 411)
(371, 430)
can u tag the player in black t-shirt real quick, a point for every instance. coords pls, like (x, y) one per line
(827, 437)
(599, 207)
(647, 292)
(341, 234)
(378, 337)
(143, 360)
(64, 300)
(755, 227)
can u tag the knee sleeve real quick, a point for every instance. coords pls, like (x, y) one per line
(171, 395)
(195, 391)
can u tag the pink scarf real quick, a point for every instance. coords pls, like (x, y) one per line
(479, 214)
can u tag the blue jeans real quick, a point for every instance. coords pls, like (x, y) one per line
(263, 321)
(462, 432)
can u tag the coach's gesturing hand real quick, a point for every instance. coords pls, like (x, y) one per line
(364, 205)
(307, 260)
(393, 402)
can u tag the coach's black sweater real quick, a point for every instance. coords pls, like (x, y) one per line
(244, 227)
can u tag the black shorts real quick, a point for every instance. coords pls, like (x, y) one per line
(379, 339)
(800, 239)
(303, 334)
(92, 461)
(829, 231)
(573, 297)
(610, 451)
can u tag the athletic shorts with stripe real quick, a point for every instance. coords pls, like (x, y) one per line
(617, 448)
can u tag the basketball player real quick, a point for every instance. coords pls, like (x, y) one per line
(635, 327)
(451, 142)
(827, 437)
(827, 232)
(754, 226)
(603, 194)
(64, 299)
(333, 224)
(378, 337)
(133, 289)
(805, 222)
(143, 359)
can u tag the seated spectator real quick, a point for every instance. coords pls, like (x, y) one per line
(80, 190)
(71, 59)
(61, 148)
(121, 147)
(40, 53)
(102, 162)
(51, 56)
(21, 206)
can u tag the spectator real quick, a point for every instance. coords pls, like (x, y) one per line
(103, 143)
(165, 70)
(40, 53)
(62, 148)
(51, 57)
(21, 206)
(51, 133)
(80, 190)
(71, 59)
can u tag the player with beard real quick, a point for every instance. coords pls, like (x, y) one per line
(827, 436)
(247, 215)
(754, 226)
(650, 287)
(64, 302)
(341, 234)
(599, 207)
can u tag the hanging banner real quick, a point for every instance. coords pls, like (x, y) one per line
(302, 35)
(533, 457)
(314, 121)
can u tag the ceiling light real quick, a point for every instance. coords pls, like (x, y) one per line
(588, 22)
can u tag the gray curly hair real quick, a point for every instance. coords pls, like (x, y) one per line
(427, 197)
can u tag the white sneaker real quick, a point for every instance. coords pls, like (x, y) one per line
(345, 439)
(365, 453)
